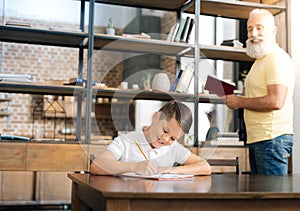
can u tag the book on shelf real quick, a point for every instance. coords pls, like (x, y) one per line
(180, 30)
(185, 30)
(173, 88)
(13, 137)
(75, 81)
(171, 34)
(218, 86)
(190, 30)
(160, 177)
(185, 80)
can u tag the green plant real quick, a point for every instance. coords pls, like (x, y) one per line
(110, 23)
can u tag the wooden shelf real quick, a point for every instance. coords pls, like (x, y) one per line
(233, 9)
(41, 36)
(119, 43)
(173, 5)
(155, 95)
(221, 8)
(104, 92)
(40, 89)
(224, 53)
(162, 47)
(136, 45)
(142, 94)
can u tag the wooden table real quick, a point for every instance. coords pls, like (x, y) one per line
(215, 192)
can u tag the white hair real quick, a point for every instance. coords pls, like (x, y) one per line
(265, 13)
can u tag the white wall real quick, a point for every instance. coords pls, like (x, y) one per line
(295, 53)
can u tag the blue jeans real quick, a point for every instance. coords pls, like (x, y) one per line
(271, 156)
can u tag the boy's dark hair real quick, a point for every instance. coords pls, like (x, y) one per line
(180, 112)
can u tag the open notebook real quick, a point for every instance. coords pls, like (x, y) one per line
(160, 177)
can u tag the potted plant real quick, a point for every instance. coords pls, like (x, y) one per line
(110, 27)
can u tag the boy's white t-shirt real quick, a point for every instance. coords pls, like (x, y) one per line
(125, 149)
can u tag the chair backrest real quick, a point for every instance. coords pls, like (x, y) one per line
(227, 162)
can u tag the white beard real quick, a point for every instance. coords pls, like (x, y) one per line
(258, 50)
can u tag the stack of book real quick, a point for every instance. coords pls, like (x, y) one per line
(74, 81)
(20, 78)
(233, 43)
(183, 80)
(182, 31)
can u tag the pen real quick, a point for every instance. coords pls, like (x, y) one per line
(138, 145)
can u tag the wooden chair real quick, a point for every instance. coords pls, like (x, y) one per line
(227, 162)
(92, 157)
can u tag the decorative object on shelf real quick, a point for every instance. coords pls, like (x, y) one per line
(110, 27)
(53, 107)
(5, 111)
(146, 79)
(124, 85)
(135, 86)
(141, 35)
(161, 82)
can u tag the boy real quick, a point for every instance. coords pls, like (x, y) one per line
(160, 151)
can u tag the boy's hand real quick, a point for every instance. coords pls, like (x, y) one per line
(146, 167)
(164, 170)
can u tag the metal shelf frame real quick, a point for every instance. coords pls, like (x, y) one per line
(90, 41)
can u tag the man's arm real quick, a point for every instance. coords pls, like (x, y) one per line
(274, 100)
(106, 164)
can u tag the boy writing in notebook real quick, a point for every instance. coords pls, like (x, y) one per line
(153, 149)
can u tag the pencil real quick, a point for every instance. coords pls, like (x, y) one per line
(141, 150)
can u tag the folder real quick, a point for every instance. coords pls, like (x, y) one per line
(218, 86)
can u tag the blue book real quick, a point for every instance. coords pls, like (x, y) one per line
(176, 81)
(13, 137)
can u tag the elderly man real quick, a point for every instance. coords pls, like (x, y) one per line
(268, 100)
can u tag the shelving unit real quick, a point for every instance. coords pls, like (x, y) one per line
(42, 36)
(230, 9)
(92, 41)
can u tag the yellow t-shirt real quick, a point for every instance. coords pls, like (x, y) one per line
(275, 68)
